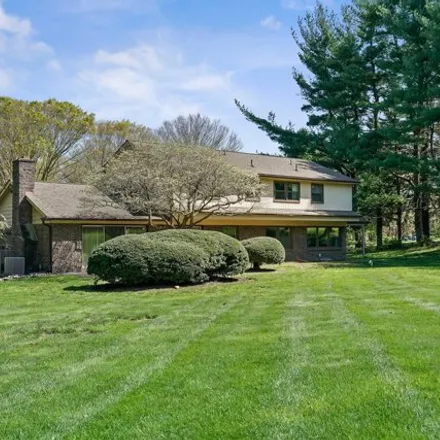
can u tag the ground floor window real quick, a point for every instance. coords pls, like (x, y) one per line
(134, 230)
(93, 236)
(324, 237)
(232, 231)
(282, 234)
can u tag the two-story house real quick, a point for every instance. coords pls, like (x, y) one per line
(305, 205)
(55, 226)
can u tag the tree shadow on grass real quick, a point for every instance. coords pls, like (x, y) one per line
(118, 288)
(260, 270)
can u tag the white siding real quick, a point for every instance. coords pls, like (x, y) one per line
(337, 197)
(6, 207)
(6, 210)
(36, 217)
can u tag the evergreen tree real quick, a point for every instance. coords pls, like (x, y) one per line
(371, 89)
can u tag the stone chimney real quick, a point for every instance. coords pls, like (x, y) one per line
(23, 181)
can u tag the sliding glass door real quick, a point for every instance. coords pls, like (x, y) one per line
(93, 236)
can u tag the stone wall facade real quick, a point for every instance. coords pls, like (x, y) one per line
(60, 247)
(44, 251)
(66, 248)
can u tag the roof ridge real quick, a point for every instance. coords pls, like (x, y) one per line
(263, 155)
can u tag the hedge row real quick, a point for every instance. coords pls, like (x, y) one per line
(169, 256)
(179, 257)
(226, 255)
(135, 260)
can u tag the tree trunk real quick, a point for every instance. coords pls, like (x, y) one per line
(399, 215)
(425, 219)
(379, 229)
(418, 219)
(417, 200)
(425, 195)
(357, 238)
(257, 266)
(399, 224)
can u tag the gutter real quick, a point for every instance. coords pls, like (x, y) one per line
(311, 179)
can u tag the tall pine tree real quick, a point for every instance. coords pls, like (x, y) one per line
(371, 87)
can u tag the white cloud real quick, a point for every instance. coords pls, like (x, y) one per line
(123, 83)
(54, 65)
(17, 37)
(14, 25)
(143, 56)
(271, 22)
(150, 83)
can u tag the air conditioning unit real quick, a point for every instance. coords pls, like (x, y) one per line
(14, 266)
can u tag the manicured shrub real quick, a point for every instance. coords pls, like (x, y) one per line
(226, 255)
(135, 260)
(264, 250)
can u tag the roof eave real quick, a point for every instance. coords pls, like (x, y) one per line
(35, 205)
(140, 221)
(350, 214)
(349, 180)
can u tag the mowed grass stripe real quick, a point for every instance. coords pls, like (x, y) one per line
(134, 348)
(61, 373)
(328, 387)
(315, 352)
(134, 376)
(220, 381)
(426, 296)
(403, 342)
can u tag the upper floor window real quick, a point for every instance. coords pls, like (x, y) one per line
(287, 191)
(317, 193)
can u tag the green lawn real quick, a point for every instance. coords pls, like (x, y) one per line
(307, 352)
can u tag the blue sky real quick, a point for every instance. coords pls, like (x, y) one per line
(151, 60)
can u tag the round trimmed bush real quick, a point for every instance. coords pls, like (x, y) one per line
(135, 260)
(264, 250)
(226, 255)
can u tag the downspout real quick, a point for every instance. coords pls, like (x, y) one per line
(50, 242)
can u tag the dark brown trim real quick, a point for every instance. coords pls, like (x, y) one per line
(285, 201)
(94, 221)
(311, 216)
(309, 179)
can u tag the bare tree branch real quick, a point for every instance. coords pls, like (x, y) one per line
(182, 185)
(201, 131)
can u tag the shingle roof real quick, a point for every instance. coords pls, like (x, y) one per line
(276, 166)
(75, 202)
(273, 166)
